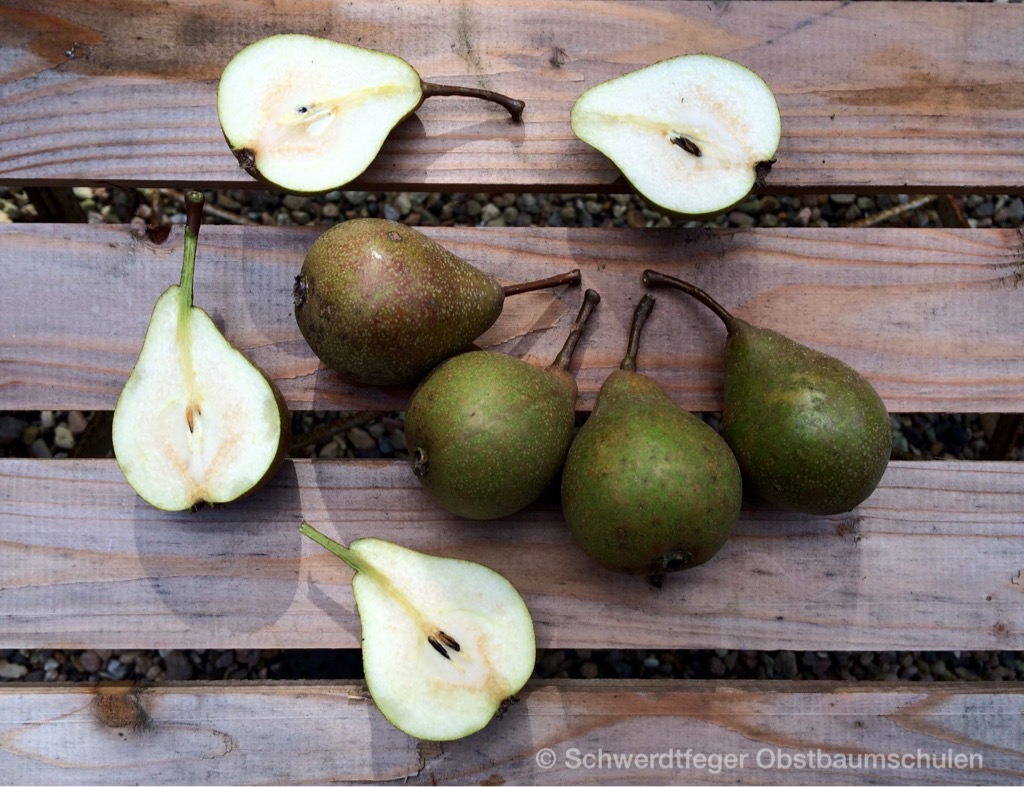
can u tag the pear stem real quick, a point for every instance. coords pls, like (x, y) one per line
(193, 220)
(640, 315)
(513, 106)
(571, 277)
(590, 299)
(655, 279)
(332, 546)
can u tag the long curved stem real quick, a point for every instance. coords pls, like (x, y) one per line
(640, 315)
(590, 299)
(570, 277)
(513, 106)
(655, 279)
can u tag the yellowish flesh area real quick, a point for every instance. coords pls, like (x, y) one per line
(427, 693)
(183, 440)
(726, 111)
(314, 113)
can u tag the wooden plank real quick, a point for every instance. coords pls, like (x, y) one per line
(561, 732)
(933, 560)
(934, 318)
(873, 95)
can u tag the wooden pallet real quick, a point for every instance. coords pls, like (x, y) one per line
(875, 97)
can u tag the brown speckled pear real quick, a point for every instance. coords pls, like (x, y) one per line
(647, 487)
(811, 434)
(381, 303)
(488, 432)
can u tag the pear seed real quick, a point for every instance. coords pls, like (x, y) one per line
(438, 647)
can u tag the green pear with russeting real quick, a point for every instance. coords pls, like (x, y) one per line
(488, 433)
(811, 434)
(382, 304)
(647, 487)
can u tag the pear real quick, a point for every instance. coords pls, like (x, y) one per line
(488, 433)
(693, 134)
(447, 643)
(307, 114)
(381, 303)
(196, 421)
(647, 487)
(811, 434)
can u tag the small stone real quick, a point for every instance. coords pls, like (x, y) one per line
(39, 449)
(47, 420)
(398, 440)
(843, 199)
(391, 212)
(589, 670)
(178, 665)
(473, 208)
(355, 198)
(11, 428)
(490, 212)
(403, 204)
(330, 211)
(385, 445)
(63, 437)
(785, 664)
(716, 666)
(116, 669)
(82, 192)
(741, 220)
(635, 218)
(90, 661)
(11, 671)
(330, 451)
(77, 422)
(361, 439)
(294, 202)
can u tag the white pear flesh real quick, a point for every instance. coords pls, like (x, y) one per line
(184, 439)
(413, 606)
(651, 123)
(309, 114)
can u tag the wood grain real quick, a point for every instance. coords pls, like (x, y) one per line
(873, 95)
(932, 560)
(594, 732)
(934, 318)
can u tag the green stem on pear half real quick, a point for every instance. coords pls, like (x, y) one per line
(655, 279)
(350, 558)
(193, 221)
(513, 106)
(640, 315)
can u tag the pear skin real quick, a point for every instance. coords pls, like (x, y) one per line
(648, 488)
(810, 432)
(488, 432)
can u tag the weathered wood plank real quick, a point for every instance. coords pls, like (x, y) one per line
(873, 95)
(561, 732)
(935, 318)
(932, 560)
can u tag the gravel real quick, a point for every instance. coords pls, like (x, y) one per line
(381, 435)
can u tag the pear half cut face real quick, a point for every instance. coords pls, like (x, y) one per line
(445, 641)
(309, 114)
(185, 436)
(690, 133)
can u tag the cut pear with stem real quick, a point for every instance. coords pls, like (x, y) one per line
(447, 643)
(196, 421)
(693, 134)
(309, 114)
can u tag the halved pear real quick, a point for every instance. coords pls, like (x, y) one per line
(309, 114)
(693, 134)
(196, 421)
(447, 643)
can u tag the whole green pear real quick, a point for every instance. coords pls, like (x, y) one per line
(381, 303)
(488, 433)
(647, 487)
(811, 434)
